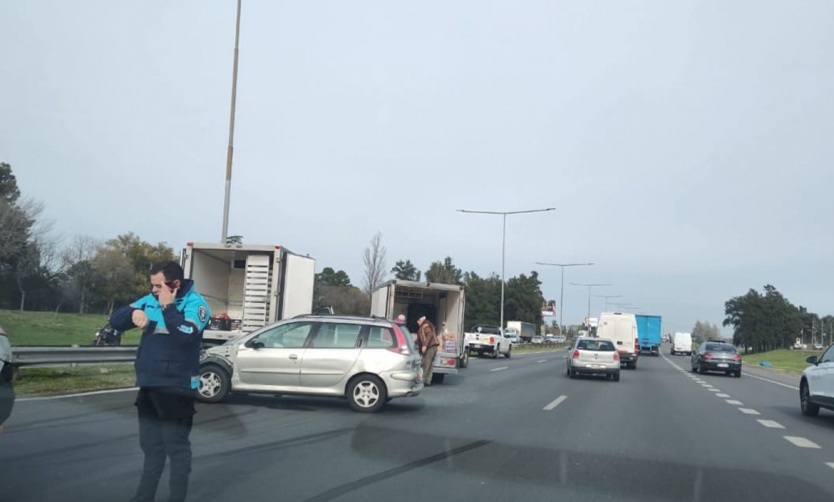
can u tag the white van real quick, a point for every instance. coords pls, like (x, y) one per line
(682, 344)
(621, 328)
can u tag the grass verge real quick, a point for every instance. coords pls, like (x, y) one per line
(790, 361)
(50, 328)
(36, 381)
(521, 349)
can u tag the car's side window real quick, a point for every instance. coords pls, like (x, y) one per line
(286, 336)
(828, 356)
(380, 338)
(333, 335)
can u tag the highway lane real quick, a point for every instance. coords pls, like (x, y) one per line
(504, 428)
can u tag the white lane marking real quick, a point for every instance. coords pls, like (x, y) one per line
(502, 368)
(801, 442)
(556, 402)
(80, 394)
(723, 395)
(714, 390)
(830, 464)
(734, 402)
(772, 381)
(706, 385)
(749, 411)
(770, 424)
(542, 361)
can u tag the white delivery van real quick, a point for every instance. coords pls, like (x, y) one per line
(682, 344)
(621, 328)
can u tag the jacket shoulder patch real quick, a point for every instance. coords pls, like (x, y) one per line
(203, 313)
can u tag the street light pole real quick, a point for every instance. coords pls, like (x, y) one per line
(504, 243)
(589, 286)
(230, 149)
(562, 286)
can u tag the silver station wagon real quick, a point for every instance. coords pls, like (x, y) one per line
(367, 360)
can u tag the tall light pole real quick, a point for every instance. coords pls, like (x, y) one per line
(606, 299)
(562, 286)
(504, 242)
(589, 286)
(230, 149)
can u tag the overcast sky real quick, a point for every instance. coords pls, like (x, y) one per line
(686, 146)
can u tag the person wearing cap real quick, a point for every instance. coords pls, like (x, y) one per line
(428, 341)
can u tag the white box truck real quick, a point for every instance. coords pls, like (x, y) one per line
(439, 303)
(524, 330)
(248, 286)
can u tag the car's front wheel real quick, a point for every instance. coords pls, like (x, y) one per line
(808, 408)
(214, 384)
(367, 393)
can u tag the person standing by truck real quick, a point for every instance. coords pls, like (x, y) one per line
(428, 340)
(6, 377)
(172, 318)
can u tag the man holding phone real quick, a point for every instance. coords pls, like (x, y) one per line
(172, 318)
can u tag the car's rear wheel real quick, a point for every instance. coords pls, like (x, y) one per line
(693, 369)
(495, 352)
(615, 377)
(738, 374)
(572, 373)
(509, 352)
(214, 384)
(808, 408)
(367, 393)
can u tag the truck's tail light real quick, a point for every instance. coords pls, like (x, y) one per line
(402, 343)
(491, 339)
(576, 354)
(616, 356)
(636, 345)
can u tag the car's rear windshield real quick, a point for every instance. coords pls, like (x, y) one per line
(485, 330)
(599, 345)
(720, 347)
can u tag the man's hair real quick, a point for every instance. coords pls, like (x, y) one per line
(170, 269)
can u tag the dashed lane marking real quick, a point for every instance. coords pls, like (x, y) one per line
(770, 424)
(801, 442)
(734, 402)
(502, 368)
(749, 411)
(556, 402)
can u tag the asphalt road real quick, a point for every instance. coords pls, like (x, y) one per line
(506, 428)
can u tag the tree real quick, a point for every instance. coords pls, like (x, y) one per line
(116, 278)
(374, 259)
(703, 331)
(483, 299)
(8, 184)
(329, 277)
(444, 272)
(79, 274)
(406, 271)
(762, 322)
(344, 300)
(523, 299)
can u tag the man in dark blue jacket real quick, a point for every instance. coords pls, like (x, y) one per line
(172, 318)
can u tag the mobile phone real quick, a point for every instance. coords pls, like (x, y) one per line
(171, 286)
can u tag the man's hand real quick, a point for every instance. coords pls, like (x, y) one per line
(166, 296)
(139, 318)
(423, 349)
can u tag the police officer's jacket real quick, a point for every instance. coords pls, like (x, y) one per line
(169, 350)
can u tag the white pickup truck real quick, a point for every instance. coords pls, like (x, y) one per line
(486, 339)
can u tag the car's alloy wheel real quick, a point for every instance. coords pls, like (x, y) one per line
(808, 408)
(214, 384)
(367, 394)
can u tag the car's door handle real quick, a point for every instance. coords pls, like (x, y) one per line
(293, 357)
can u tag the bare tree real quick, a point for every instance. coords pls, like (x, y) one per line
(374, 264)
(77, 263)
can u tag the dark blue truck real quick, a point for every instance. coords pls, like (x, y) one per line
(648, 334)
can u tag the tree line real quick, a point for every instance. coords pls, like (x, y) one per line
(767, 320)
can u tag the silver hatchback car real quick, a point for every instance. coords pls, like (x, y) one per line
(594, 356)
(368, 360)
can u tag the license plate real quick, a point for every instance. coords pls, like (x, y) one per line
(723, 365)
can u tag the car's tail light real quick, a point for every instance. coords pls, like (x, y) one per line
(616, 356)
(576, 354)
(736, 357)
(492, 339)
(402, 343)
(707, 356)
(636, 345)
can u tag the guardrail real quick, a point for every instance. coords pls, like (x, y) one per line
(39, 356)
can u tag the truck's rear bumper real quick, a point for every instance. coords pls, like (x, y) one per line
(481, 347)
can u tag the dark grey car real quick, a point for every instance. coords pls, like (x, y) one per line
(716, 356)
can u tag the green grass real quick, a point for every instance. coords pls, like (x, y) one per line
(49, 328)
(34, 381)
(536, 348)
(790, 361)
